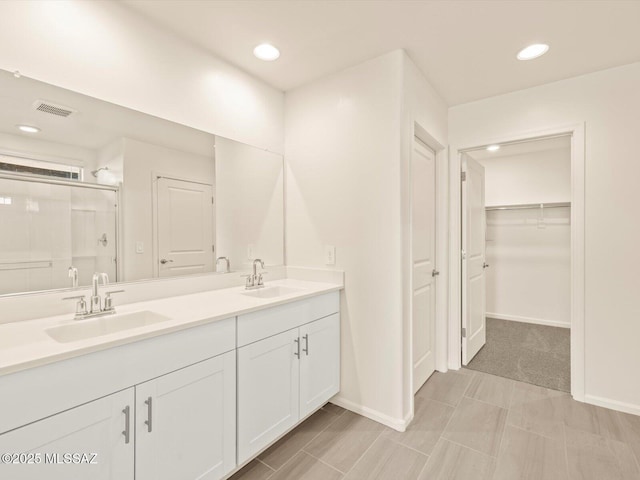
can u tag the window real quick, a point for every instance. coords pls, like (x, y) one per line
(39, 167)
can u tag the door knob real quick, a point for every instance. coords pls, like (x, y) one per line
(164, 260)
(435, 273)
(485, 265)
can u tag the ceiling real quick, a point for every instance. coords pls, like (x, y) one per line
(466, 49)
(523, 148)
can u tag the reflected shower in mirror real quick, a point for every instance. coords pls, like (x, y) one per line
(86, 186)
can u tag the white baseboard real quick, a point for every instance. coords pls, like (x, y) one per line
(397, 424)
(537, 321)
(613, 404)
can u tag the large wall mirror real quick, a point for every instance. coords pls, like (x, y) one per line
(88, 186)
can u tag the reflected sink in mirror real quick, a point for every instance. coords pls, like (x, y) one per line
(85, 329)
(271, 292)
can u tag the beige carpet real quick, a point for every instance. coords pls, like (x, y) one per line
(526, 352)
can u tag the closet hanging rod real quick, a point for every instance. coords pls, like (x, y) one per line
(529, 206)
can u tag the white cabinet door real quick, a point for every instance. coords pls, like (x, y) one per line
(268, 389)
(103, 427)
(185, 422)
(319, 363)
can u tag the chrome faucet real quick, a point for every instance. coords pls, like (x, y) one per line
(95, 308)
(73, 275)
(96, 303)
(255, 280)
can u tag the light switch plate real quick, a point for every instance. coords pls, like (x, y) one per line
(329, 255)
(139, 247)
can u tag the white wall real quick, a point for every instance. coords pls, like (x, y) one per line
(536, 177)
(105, 50)
(141, 161)
(36, 148)
(346, 155)
(529, 274)
(249, 191)
(529, 278)
(343, 189)
(609, 104)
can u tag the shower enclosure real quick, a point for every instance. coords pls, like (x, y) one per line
(48, 226)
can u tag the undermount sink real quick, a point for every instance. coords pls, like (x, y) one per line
(271, 292)
(84, 329)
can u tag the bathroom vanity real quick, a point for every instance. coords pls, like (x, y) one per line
(200, 384)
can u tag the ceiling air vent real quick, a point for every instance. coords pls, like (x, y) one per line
(53, 109)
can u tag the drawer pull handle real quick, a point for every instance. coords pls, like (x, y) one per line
(127, 424)
(297, 353)
(306, 344)
(149, 421)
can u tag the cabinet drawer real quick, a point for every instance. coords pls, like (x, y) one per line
(42, 391)
(265, 323)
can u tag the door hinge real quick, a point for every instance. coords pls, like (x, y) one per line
(464, 333)
(213, 248)
(212, 201)
(463, 176)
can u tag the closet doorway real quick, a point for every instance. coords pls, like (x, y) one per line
(516, 268)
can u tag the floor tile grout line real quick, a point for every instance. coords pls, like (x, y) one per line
(294, 456)
(306, 444)
(566, 448)
(323, 430)
(518, 427)
(485, 402)
(503, 426)
(324, 463)
(424, 467)
(470, 448)
(627, 440)
(364, 453)
(273, 470)
(404, 445)
(504, 431)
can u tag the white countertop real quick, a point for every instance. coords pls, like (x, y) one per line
(26, 344)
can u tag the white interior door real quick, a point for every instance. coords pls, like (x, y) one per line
(185, 227)
(423, 265)
(474, 332)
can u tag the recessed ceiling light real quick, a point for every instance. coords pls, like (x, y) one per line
(267, 52)
(28, 128)
(493, 148)
(533, 51)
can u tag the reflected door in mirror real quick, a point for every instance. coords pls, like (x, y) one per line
(185, 227)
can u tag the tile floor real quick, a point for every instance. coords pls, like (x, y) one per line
(468, 426)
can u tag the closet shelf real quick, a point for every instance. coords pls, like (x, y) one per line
(525, 206)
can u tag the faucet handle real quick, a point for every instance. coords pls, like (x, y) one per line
(114, 291)
(108, 301)
(81, 306)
